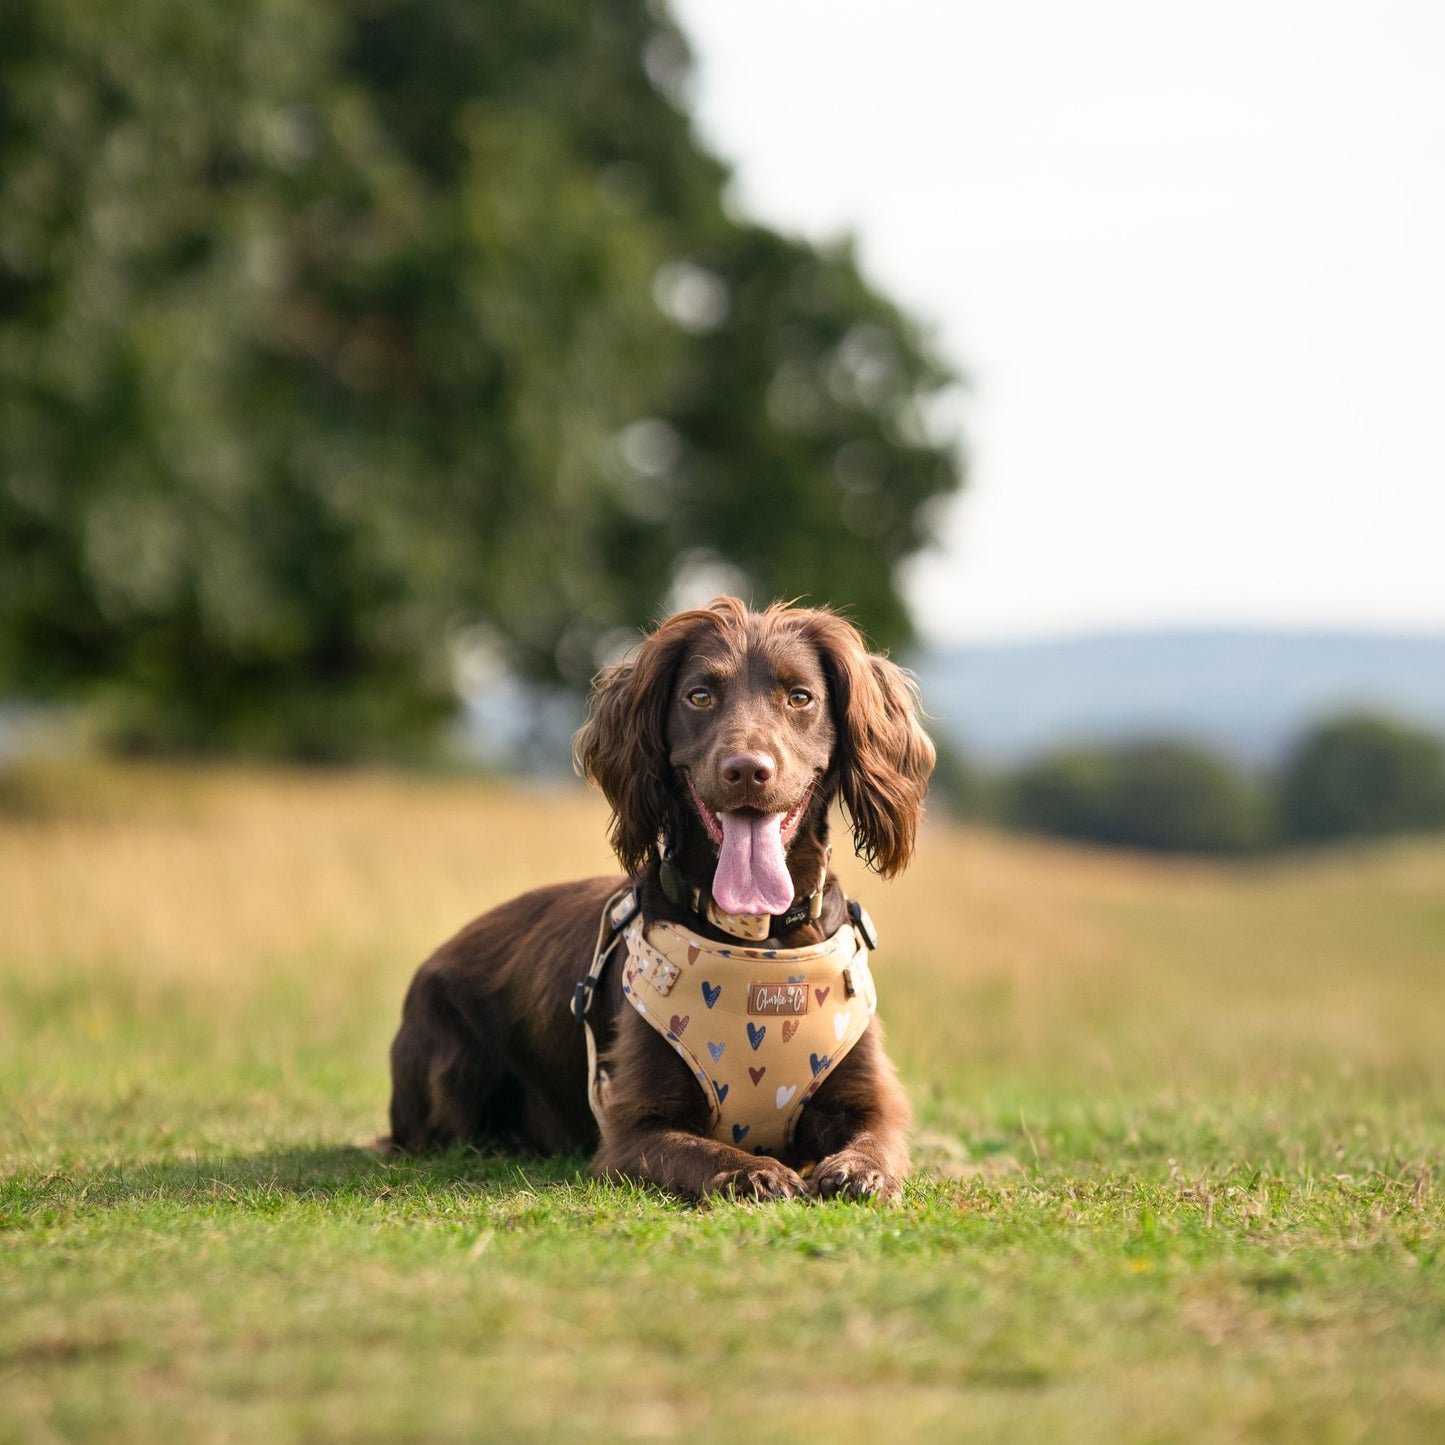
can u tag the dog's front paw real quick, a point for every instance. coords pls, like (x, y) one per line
(852, 1175)
(759, 1178)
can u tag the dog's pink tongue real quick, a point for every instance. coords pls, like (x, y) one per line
(752, 871)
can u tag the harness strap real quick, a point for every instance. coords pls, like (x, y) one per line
(616, 912)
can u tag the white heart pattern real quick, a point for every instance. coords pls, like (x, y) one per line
(841, 1020)
(785, 1095)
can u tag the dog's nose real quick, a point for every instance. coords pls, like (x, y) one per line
(744, 768)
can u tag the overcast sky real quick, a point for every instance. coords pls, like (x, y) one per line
(1192, 258)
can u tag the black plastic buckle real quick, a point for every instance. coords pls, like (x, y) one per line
(582, 1000)
(863, 923)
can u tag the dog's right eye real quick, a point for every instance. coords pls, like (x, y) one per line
(700, 697)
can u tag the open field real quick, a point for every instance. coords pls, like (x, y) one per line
(1181, 1135)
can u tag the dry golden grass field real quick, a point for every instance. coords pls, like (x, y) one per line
(1180, 1131)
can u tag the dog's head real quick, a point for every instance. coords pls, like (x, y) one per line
(752, 723)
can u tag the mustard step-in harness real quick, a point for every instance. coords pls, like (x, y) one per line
(760, 1028)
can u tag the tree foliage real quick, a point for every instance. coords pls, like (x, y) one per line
(1167, 796)
(330, 334)
(1355, 776)
(1360, 776)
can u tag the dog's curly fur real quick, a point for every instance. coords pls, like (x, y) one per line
(488, 1050)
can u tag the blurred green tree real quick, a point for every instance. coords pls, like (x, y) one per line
(1165, 796)
(333, 336)
(1360, 776)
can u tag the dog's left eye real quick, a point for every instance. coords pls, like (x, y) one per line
(700, 697)
(799, 697)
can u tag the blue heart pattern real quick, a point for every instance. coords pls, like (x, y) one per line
(817, 1063)
(740, 1132)
(755, 1034)
(716, 1050)
(710, 992)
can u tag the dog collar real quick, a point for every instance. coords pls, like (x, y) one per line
(750, 927)
(755, 927)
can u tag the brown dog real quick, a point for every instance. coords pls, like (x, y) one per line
(720, 746)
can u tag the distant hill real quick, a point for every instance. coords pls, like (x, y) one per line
(1246, 694)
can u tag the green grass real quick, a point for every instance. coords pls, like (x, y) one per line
(1180, 1142)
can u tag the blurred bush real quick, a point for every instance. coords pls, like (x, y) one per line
(1355, 776)
(1168, 796)
(339, 340)
(1362, 776)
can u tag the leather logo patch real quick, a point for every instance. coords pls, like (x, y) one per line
(777, 998)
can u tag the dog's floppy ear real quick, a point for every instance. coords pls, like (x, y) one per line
(622, 747)
(882, 757)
